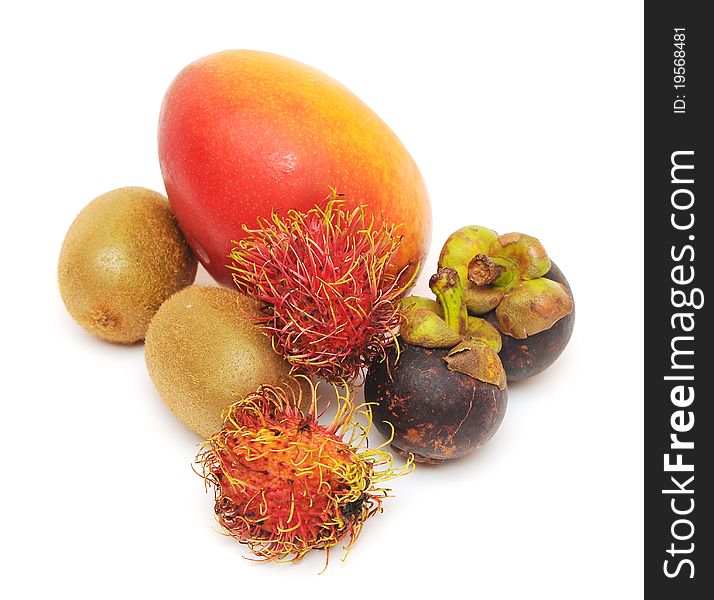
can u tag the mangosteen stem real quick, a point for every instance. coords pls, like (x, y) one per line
(486, 270)
(446, 286)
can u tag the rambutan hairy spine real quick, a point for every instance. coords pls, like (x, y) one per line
(329, 286)
(285, 484)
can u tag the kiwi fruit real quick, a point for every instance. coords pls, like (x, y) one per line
(123, 255)
(204, 352)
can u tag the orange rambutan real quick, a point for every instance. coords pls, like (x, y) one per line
(329, 285)
(285, 484)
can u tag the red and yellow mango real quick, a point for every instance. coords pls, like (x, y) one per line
(242, 133)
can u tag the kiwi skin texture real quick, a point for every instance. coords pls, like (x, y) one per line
(123, 255)
(204, 352)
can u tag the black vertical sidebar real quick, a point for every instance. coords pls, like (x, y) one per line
(679, 345)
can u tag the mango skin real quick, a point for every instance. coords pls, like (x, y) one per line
(244, 132)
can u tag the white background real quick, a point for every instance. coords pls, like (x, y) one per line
(523, 116)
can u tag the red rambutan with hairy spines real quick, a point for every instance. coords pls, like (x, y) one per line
(329, 285)
(284, 484)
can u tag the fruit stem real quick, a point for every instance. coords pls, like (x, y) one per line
(447, 287)
(486, 270)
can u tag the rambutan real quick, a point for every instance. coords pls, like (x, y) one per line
(285, 484)
(329, 286)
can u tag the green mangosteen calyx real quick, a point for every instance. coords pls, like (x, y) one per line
(506, 274)
(445, 323)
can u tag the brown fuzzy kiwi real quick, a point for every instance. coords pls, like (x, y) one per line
(204, 352)
(122, 257)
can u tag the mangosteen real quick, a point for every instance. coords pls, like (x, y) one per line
(511, 282)
(523, 358)
(442, 393)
